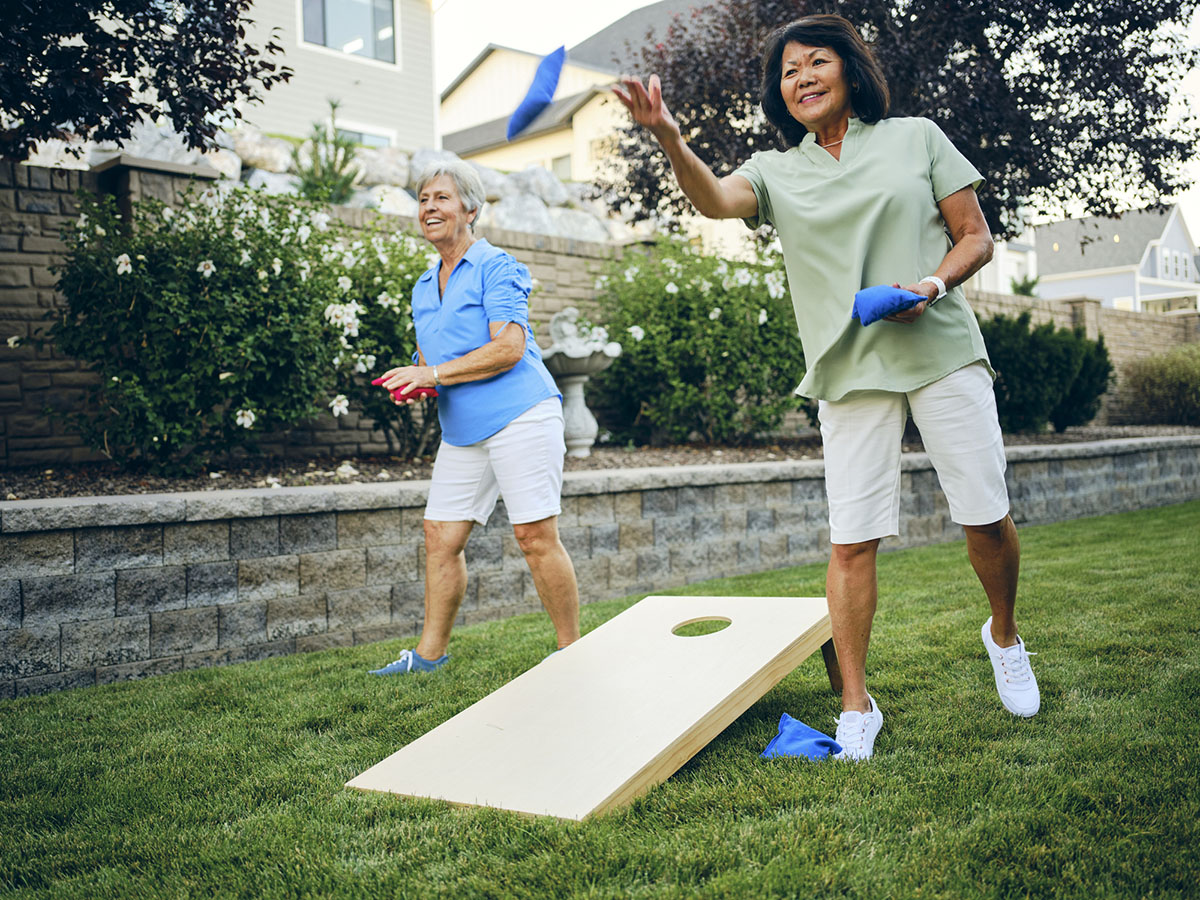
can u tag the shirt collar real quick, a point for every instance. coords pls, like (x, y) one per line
(471, 256)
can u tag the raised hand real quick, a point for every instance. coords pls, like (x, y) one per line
(646, 105)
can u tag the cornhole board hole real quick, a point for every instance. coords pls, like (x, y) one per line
(614, 714)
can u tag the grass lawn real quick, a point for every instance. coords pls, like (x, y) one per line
(228, 782)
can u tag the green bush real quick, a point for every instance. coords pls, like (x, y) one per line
(1044, 374)
(1166, 388)
(710, 349)
(325, 162)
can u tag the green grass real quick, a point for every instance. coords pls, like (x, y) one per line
(228, 782)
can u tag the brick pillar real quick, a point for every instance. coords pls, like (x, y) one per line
(131, 178)
(1085, 314)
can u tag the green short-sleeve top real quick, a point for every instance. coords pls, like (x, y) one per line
(869, 218)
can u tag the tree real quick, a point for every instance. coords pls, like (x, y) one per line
(76, 69)
(325, 162)
(1052, 102)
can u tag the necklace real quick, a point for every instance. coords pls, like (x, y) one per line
(830, 144)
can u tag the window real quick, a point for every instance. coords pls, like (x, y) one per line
(561, 167)
(366, 138)
(357, 27)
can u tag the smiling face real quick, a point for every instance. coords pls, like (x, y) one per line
(813, 84)
(444, 218)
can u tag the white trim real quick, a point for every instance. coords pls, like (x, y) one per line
(396, 66)
(1189, 286)
(1086, 273)
(364, 128)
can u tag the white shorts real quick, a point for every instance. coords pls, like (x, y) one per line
(523, 462)
(961, 432)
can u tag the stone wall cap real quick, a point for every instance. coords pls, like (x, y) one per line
(143, 164)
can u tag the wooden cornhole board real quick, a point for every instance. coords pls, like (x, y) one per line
(614, 714)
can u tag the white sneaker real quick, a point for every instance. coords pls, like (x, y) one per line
(856, 732)
(1014, 678)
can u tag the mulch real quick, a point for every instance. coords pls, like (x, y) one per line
(111, 479)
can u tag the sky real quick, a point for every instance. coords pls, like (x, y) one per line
(462, 28)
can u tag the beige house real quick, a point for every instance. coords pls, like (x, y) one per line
(374, 56)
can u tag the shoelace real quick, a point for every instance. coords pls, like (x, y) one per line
(1016, 667)
(852, 740)
(406, 657)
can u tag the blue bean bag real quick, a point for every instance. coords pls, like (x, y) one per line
(797, 739)
(878, 302)
(540, 93)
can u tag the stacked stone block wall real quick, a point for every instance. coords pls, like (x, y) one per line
(96, 590)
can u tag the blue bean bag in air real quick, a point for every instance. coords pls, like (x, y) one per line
(797, 739)
(878, 302)
(540, 93)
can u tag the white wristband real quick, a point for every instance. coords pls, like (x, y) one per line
(436, 379)
(937, 283)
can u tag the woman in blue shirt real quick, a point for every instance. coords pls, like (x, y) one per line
(500, 411)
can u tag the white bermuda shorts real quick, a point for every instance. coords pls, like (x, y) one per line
(523, 462)
(961, 432)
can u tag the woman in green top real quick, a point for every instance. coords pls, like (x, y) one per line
(860, 200)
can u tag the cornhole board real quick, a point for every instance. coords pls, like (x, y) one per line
(616, 713)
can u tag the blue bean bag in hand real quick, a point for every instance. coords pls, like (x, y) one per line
(797, 739)
(540, 93)
(878, 302)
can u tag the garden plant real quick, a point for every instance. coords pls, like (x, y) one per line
(1166, 388)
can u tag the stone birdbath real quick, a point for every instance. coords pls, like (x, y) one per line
(577, 351)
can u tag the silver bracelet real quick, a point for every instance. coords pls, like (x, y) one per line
(436, 379)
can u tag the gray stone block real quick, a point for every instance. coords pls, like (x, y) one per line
(296, 616)
(577, 540)
(134, 670)
(408, 600)
(369, 528)
(25, 652)
(241, 624)
(151, 590)
(503, 588)
(107, 643)
(214, 505)
(595, 509)
(690, 561)
(254, 537)
(64, 513)
(8, 690)
(708, 526)
(361, 608)
(69, 598)
(314, 643)
(485, 552)
(183, 631)
(653, 564)
(235, 655)
(61, 681)
(605, 539)
(211, 583)
(760, 521)
(333, 570)
(128, 547)
(268, 578)
(748, 552)
(37, 555)
(722, 557)
(10, 604)
(195, 542)
(293, 501)
(386, 565)
(308, 533)
(673, 530)
(659, 503)
(377, 633)
(692, 500)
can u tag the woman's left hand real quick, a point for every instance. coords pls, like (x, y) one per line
(913, 313)
(405, 378)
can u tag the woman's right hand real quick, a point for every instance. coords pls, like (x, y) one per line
(646, 105)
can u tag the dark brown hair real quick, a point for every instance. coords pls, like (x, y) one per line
(868, 88)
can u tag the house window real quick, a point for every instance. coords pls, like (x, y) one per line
(561, 167)
(357, 27)
(366, 138)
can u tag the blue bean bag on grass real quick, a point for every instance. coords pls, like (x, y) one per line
(797, 739)
(540, 93)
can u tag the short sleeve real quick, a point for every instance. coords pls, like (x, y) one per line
(949, 170)
(506, 287)
(751, 170)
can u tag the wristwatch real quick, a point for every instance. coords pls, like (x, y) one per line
(937, 283)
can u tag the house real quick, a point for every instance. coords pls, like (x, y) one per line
(1143, 260)
(1013, 262)
(375, 57)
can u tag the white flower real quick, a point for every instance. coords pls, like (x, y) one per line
(776, 284)
(612, 350)
(303, 232)
(116, 379)
(206, 268)
(14, 341)
(82, 221)
(304, 269)
(262, 274)
(245, 257)
(631, 273)
(320, 221)
(339, 405)
(246, 417)
(100, 231)
(293, 215)
(741, 277)
(168, 213)
(671, 288)
(277, 265)
(349, 260)
(762, 317)
(337, 360)
(344, 283)
(369, 359)
(722, 268)
(346, 470)
(360, 365)
(637, 331)
(222, 376)
(601, 282)
(124, 264)
(714, 313)
(672, 266)
(238, 234)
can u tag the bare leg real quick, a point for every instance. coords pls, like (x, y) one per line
(852, 596)
(445, 583)
(553, 575)
(995, 553)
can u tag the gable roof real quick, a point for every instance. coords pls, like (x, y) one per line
(494, 133)
(1088, 243)
(475, 64)
(606, 48)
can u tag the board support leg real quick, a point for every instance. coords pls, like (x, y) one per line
(831, 666)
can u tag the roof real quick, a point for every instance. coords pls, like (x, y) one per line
(475, 63)
(494, 133)
(606, 48)
(1088, 243)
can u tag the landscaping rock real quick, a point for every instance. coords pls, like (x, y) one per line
(422, 159)
(273, 182)
(518, 212)
(539, 182)
(258, 151)
(493, 181)
(387, 199)
(382, 165)
(578, 225)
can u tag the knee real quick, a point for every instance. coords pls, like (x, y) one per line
(996, 532)
(536, 538)
(849, 554)
(443, 542)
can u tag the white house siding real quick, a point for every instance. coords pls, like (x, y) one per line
(397, 100)
(1109, 287)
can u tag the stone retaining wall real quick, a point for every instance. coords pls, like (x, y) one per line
(96, 590)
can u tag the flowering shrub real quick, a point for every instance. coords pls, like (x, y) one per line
(710, 348)
(1166, 388)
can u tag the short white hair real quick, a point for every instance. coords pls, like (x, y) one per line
(466, 181)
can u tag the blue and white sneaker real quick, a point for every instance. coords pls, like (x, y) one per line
(411, 661)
